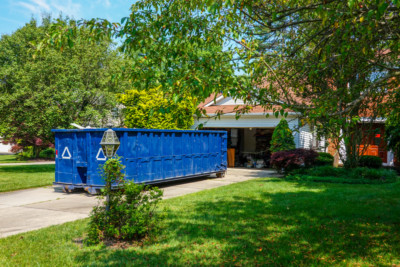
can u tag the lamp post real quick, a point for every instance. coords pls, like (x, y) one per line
(110, 144)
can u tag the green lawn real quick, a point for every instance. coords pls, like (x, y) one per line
(259, 222)
(25, 176)
(10, 159)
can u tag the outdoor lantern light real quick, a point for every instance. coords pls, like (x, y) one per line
(109, 143)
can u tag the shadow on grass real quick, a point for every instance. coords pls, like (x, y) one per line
(281, 224)
(28, 168)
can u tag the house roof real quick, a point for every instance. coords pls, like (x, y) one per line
(219, 104)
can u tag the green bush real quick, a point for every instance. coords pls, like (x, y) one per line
(372, 174)
(282, 138)
(392, 130)
(151, 109)
(27, 153)
(322, 171)
(129, 212)
(370, 162)
(342, 175)
(324, 159)
(48, 153)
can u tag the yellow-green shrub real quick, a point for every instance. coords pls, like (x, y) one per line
(151, 109)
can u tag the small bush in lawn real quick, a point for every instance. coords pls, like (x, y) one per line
(372, 174)
(322, 171)
(324, 159)
(129, 212)
(27, 153)
(370, 162)
(282, 138)
(48, 153)
(360, 175)
(289, 160)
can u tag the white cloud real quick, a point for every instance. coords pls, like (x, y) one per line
(42, 4)
(38, 7)
(31, 8)
(68, 8)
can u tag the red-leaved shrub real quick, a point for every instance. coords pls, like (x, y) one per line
(287, 160)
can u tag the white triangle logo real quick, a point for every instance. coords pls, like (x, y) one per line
(100, 155)
(66, 154)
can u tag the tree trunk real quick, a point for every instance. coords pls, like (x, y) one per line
(352, 137)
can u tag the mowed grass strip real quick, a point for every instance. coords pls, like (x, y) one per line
(25, 176)
(258, 222)
(10, 159)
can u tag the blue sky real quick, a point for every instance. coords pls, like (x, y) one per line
(15, 13)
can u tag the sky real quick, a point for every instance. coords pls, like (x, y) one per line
(15, 13)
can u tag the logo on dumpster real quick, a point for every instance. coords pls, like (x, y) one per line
(66, 154)
(100, 155)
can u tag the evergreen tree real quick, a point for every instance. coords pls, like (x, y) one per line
(282, 138)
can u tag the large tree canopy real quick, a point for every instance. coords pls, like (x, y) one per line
(333, 61)
(40, 92)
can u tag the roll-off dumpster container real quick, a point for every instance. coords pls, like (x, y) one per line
(150, 156)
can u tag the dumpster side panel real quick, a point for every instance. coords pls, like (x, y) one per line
(80, 158)
(64, 160)
(97, 158)
(130, 155)
(167, 147)
(224, 151)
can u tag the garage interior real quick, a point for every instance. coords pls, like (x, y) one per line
(248, 147)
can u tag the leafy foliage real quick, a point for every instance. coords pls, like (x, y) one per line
(331, 61)
(282, 137)
(48, 153)
(370, 162)
(358, 175)
(152, 110)
(129, 210)
(324, 159)
(51, 89)
(392, 128)
(289, 160)
(26, 153)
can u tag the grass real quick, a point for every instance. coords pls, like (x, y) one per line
(10, 159)
(259, 222)
(25, 176)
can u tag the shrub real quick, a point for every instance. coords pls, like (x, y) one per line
(151, 109)
(289, 160)
(26, 153)
(48, 153)
(372, 174)
(324, 159)
(322, 171)
(282, 138)
(360, 175)
(370, 162)
(129, 212)
(392, 131)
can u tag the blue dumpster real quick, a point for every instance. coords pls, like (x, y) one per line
(150, 156)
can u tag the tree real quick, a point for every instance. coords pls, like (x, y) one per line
(392, 127)
(40, 92)
(282, 138)
(332, 61)
(152, 110)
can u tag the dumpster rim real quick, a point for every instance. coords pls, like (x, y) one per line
(133, 130)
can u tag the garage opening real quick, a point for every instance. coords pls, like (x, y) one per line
(248, 147)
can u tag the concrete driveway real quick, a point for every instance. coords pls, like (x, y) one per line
(31, 209)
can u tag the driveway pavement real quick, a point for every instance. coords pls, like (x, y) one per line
(31, 209)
